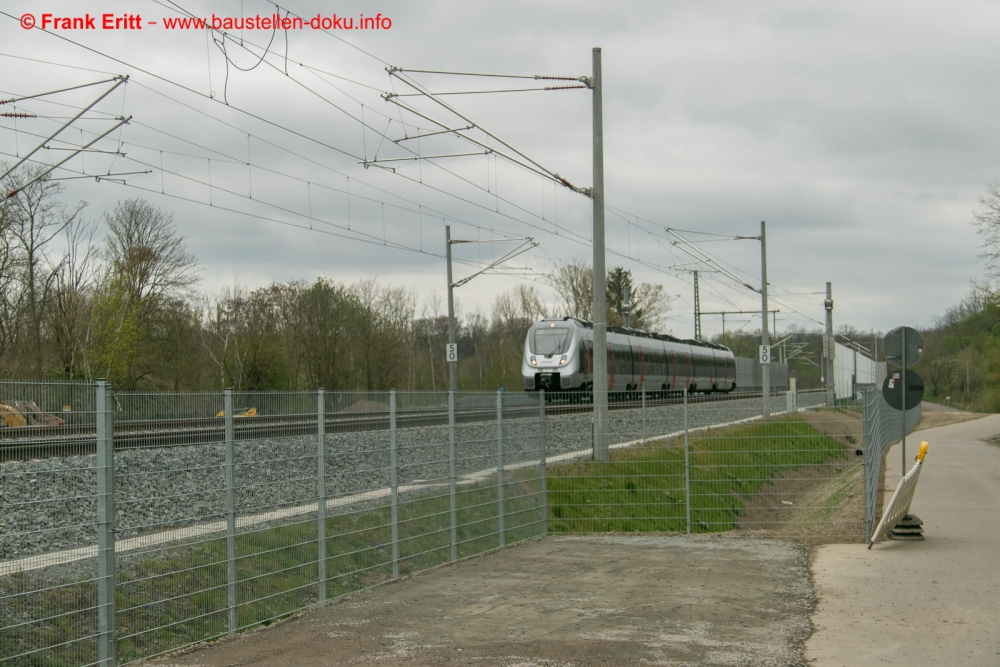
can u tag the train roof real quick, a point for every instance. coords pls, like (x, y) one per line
(628, 331)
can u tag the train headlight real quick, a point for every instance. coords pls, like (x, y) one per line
(533, 362)
(562, 360)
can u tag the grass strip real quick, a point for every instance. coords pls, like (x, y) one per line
(643, 489)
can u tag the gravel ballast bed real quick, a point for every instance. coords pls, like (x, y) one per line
(50, 505)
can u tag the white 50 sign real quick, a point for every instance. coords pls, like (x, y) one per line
(765, 354)
(451, 352)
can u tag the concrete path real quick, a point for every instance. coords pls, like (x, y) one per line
(935, 602)
(557, 602)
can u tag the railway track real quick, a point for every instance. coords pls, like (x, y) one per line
(34, 442)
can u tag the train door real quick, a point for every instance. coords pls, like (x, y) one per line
(642, 368)
(611, 368)
(673, 370)
(688, 370)
(588, 353)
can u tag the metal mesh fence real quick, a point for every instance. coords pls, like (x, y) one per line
(799, 474)
(883, 426)
(170, 467)
(696, 463)
(48, 557)
(139, 523)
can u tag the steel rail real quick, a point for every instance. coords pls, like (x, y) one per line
(33, 442)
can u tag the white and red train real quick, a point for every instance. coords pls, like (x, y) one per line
(559, 352)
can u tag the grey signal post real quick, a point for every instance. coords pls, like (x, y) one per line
(600, 388)
(830, 346)
(627, 308)
(452, 365)
(765, 338)
(697, 311)
(902, 378)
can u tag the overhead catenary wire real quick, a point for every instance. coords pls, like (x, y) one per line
(248, 113)
(234, 160)
(256, 116)
(486, 92)
(268, 218)
(496, 211)
(117, 82)
(531, 162)
(365, 125)
(370, 238)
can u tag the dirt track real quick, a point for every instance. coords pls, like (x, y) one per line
(559, 602)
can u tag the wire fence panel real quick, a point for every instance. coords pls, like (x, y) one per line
(137, 523)
(523, 455)
(48, 529)
(705, 463)
(641, 488)
(883, 426)
(795, 475)
(274, 479)
(358, 546)
(170, 501)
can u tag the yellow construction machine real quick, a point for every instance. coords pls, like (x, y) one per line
(240, 412)
(26, 413)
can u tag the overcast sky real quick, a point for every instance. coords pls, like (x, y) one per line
(863, 133)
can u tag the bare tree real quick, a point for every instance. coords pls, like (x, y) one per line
(987, 218)
(432, 330)
(35, 218)
(513, 313)
(71, 296)
(146, 264)
(147, 254)
(574, 284)
(9, 298)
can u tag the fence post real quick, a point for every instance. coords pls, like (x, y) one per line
(542, 463)
(394, 484)
(321, 492)
(453, 511)
(105, 525)
(687, 465)
(500, 527)
(230, 509)
(870, 461)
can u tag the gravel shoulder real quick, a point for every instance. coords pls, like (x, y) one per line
(937, 418)
(559, 602)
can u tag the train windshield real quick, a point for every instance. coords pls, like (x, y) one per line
(550, 341)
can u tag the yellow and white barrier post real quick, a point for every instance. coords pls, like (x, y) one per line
(899, 506)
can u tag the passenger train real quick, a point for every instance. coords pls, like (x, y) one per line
(558, 356)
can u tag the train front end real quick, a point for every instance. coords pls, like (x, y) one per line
(552, 357)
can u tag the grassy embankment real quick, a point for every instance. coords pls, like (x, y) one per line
(182, 591)
(643, 488)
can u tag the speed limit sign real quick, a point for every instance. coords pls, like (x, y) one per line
(451, 352)
(765, 354)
